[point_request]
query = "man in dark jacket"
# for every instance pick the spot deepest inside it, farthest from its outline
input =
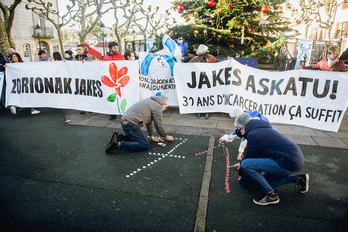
(81, 55)
(271, 153)
(146, 112)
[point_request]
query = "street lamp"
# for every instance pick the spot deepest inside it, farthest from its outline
(103, 29)
(134, 33)
(38, 31)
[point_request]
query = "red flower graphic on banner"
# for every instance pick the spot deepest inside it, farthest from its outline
(118, 78)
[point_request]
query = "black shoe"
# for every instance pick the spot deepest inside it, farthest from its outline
(113, 146)
(269, 199)
(303, 182)
(114, 137)
(112, 117)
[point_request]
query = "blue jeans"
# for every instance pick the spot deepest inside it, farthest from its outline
(134, 139)
(274, 174)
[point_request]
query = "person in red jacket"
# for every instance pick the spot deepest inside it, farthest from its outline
(113, 53)
(331, 63)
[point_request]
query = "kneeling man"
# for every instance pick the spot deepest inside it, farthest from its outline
(147, 112)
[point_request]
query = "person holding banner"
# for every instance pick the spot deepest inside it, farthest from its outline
(43, 56)
(113, 53)
(143, 113)
(203, 57)
(129, 55)
(183, 47)
(16, 58)
(331, 63)
(68, 55)
(10, 51)
(81, 56)
(270, 160)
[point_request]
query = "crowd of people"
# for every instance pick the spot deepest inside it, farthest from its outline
(82, 55)
(267, 158)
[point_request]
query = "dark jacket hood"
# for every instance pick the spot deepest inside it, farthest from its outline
(256, 124)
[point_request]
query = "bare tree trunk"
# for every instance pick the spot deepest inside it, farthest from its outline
(4, 43)
(6, 23)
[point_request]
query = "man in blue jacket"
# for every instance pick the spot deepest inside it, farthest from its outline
(270, 159)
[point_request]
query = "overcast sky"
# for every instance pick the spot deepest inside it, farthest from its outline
(108, 20)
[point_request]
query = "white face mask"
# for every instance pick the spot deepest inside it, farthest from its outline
(329, 56)
(67, 56)
(133, 58)
(180, 41)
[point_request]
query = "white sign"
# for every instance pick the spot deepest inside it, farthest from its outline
(316, 99)
(103, 87)
(156, 74)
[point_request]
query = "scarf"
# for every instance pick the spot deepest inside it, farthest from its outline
(81, 57)
(332, 62)
(44, 59)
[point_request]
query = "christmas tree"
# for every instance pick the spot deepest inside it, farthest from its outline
(230, 26)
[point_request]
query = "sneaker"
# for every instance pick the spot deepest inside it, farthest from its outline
(206, 116)
(303, 182)
(35, 112)
(113, 146)
(269, 199)
(198, 115)
(114, 137)
(112, 117)
(13, 110)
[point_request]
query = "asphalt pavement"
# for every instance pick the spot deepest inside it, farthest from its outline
(55, 176)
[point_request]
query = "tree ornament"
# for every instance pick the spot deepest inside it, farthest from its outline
(264, 9)
(230, 4)
(181, 8)
(250, 30)
(219, 11)
(211, 4)
(195, 13)
(213, 33)
(196, 32)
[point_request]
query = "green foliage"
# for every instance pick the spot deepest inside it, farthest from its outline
(232, 28)
(271, 52)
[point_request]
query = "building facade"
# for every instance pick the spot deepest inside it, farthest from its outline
(27, 38)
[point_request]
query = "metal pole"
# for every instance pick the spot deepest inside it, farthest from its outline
(133, 45)
(103, 46)
(39, 41)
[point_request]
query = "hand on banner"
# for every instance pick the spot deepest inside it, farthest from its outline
(169, 138)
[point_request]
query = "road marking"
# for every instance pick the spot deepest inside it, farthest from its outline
(162, 156)
(204, 195)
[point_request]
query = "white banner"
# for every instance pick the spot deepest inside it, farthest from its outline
(316, 99)
(156, 76)
(102, 87)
